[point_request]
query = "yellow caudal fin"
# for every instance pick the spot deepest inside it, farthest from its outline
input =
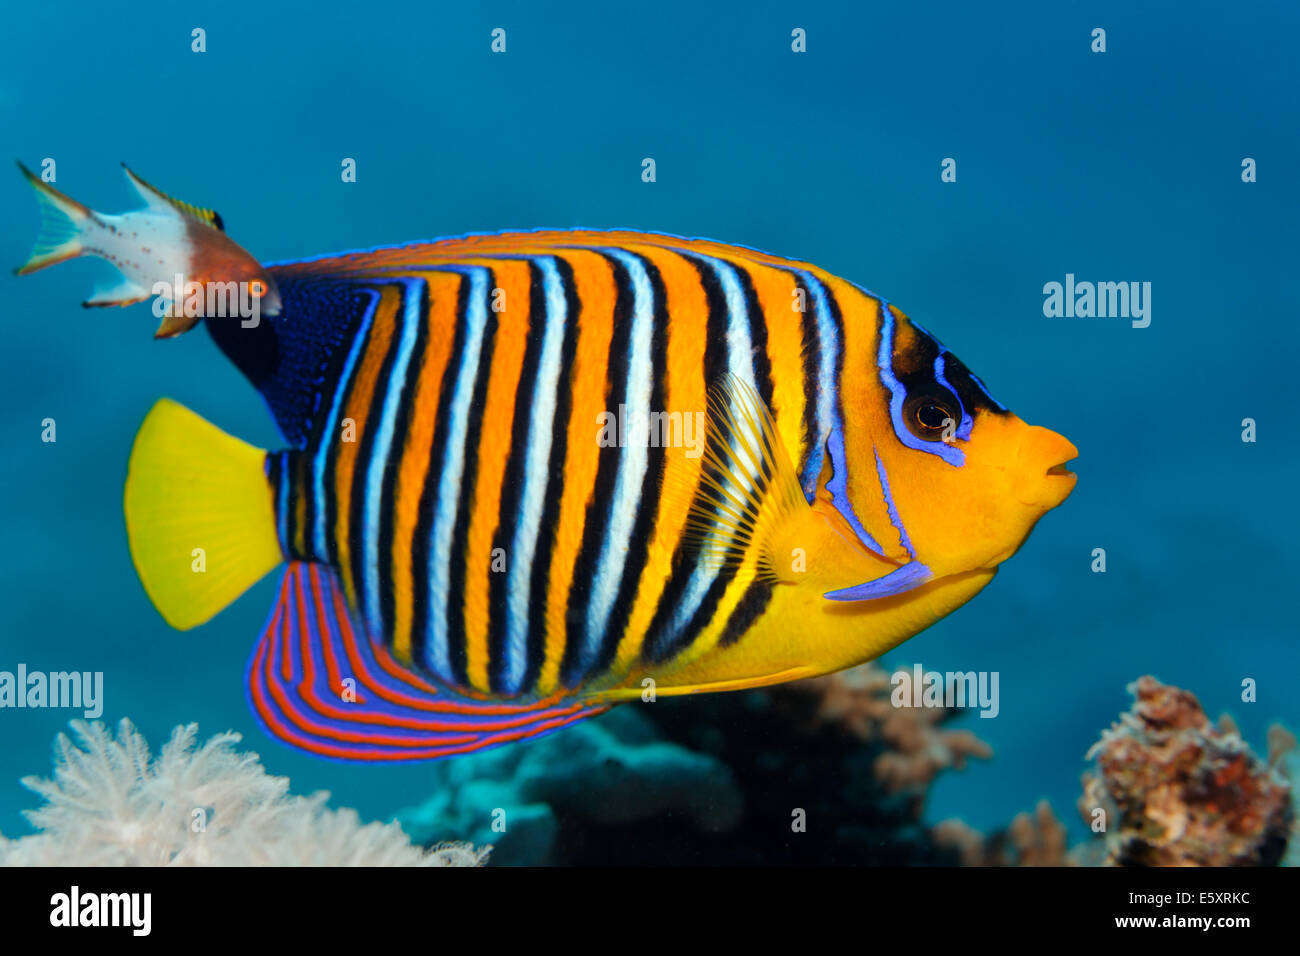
(63, 221)
(200, 515)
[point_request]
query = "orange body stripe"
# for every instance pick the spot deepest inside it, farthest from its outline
(358, 408)
(414, 466)
(493, 446)
(589, 397)
(685, 392)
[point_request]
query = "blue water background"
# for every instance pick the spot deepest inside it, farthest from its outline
(1122, 166)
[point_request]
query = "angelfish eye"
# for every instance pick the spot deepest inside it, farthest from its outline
(926, 416)
(257, 287)
(931, 416)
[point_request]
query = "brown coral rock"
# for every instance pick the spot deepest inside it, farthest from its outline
(1178, 791)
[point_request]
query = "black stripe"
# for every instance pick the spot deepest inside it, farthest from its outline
(457, 656)
(973, 395)
(651, 485)
(596, 519)
(757, 335)
(548, 528)
(334, 442)
(757, 594)
(330, 369)
(715, 342)
(748, 609)
(361, 471)
(658, 646)
(508, 515)
(299, 465)
(310, 504)
(812, 348)
(272, 466)
(396, 453)
(420, 609)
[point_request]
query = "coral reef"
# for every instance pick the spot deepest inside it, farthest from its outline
(598, 775)
(830, 771)
(821, 771)
(918, 748)
(1036, 839)
(1178, 791)
(112, 804)
(1174, 790)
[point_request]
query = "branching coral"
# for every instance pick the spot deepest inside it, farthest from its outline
(1036, 839)
(111, 804)
(1177, 791)
(919, 748)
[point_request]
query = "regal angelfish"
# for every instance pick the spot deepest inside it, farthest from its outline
(468, 555)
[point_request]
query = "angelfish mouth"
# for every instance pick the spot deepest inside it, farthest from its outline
(1042, 479)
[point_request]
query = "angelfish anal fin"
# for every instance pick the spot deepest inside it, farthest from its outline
(159, 201)
(125, 292)
(318, 682)
(906, 578)
(748, 488)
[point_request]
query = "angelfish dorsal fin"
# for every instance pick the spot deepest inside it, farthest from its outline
(157, 199)
(748, 487)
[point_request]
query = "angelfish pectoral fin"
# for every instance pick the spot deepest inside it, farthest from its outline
(748, 490)
(906, 578)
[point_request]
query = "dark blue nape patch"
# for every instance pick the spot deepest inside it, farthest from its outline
(294, 359)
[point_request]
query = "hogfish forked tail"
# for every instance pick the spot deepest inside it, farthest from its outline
(170, 249)
(493, 517)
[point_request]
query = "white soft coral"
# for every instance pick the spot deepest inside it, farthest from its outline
(110, 804)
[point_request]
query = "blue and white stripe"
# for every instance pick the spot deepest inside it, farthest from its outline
(438, 647)
(330, 435)
(967, 423)
(412, 318)
(830, 412)
(541, 431)
(827, 410)
(740, 363)
(634, 459)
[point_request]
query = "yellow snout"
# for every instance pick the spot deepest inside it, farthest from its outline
(1042, 480)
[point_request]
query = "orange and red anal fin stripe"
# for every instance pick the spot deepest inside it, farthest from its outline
(317, 682)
